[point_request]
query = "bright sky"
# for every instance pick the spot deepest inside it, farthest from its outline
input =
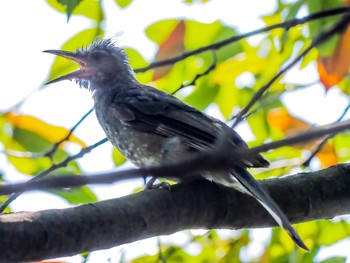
(29, 27)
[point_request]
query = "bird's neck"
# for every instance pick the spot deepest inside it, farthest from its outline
(101, 93)
(115, 82)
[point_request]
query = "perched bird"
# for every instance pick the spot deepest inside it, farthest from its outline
(151, 127)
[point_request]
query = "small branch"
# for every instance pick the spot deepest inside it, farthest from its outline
(287, 24)
(321, 38)
(193, 82)
(54, 148)
(53, 167)
(306, 163)
(216, 160)
(50, 152)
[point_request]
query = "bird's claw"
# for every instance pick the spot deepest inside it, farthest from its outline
(150, 184)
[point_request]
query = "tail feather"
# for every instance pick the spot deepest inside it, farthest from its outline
(252, 187)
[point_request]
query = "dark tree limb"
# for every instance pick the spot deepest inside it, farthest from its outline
(53, 233)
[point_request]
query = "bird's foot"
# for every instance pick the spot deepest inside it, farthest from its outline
(150, 184)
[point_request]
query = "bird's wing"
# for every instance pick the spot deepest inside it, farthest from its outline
(149, 110)
(156, 112)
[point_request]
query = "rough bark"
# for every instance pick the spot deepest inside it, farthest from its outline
(28, 236)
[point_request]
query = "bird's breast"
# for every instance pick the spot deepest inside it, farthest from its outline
(141, 148)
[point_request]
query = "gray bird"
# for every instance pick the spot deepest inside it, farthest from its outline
(151, 127)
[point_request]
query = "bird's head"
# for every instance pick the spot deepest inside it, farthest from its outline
(101, 64)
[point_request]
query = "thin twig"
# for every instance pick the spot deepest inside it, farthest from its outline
(50, 152)
(306, 163)
(287, 24)
(52, 168)
(215, 160)
(321, 38)
(54, 148)
(161, 257)
(198, 76)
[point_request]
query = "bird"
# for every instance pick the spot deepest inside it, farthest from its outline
(151, 127)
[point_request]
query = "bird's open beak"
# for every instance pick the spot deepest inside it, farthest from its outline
(82, 73)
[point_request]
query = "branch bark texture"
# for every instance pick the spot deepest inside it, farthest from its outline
(28, 236)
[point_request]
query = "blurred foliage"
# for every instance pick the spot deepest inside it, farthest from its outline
(28, 142)
(88, 8)
(241, 69)
(123, 3)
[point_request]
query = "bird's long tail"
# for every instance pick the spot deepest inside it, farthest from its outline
(252, 187)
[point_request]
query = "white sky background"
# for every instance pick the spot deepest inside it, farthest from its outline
(29, 27)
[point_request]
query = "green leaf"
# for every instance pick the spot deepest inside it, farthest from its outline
(227, 99)
(89, 8)
(31, 141)
(320, 25)
(123, 3)
(202, 95)
(230, 50)
(309, 57)
(70, 6)
(137, 61)
(344, 85)
(201, 34)
(334, 259)
(19, 142)
(118, 158)
(331, 232)
(77, 195)
(259, 126)
(3, 199)
(62, 66)
(160, 31)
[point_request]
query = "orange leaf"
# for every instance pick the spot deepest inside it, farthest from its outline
(334, 68)
(327, 155)
(281, 120)
(172, 46)
(49, 132)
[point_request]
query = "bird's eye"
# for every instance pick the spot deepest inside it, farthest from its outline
(97, 56)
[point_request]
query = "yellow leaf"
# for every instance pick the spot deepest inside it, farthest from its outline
(49, 132)
(227, 71)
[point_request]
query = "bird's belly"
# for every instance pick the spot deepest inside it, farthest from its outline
(140, 148)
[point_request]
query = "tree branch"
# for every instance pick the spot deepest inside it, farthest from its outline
(286, 25)
(222, 157)
(306, 163)
(198, 76)
(54, 148)
(52, 168)
(199, 204)
(321, 38)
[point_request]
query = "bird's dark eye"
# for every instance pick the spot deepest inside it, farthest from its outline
(97, 56)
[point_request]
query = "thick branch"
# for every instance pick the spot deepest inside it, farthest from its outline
(199, 204)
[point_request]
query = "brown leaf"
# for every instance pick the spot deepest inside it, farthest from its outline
(172, 46)
(281, 120)
(334, 68)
